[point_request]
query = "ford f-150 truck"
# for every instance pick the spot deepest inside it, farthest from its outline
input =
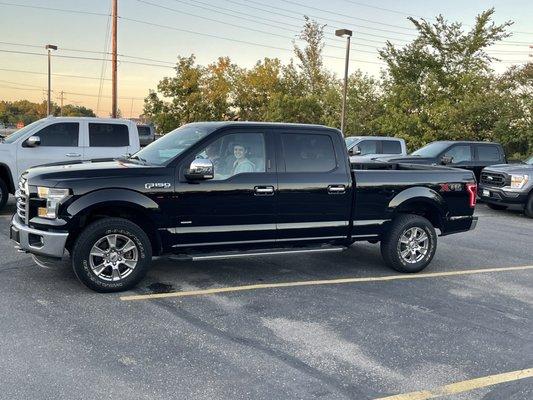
(62, 140)
(228, 189)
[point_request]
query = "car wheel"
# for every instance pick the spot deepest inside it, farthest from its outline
(528, 210)
(111, 255)
(410, 243)
(4, 194)
(496, 207)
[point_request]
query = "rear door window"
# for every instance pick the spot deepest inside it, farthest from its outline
(487, 152)
(391, 147)
(308, 152)
(63, 134)
(108, 135)
(143, 130)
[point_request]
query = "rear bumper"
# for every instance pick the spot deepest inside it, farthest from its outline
(501, 197)
(46, 243)
(461, 223)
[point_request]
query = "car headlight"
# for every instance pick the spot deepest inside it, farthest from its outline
(53, 198)
(519, 181)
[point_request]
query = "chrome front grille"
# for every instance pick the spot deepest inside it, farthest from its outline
(22, 199)
(493, 179)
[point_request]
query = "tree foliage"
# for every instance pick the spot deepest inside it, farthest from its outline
(439, 86)
(12, 112)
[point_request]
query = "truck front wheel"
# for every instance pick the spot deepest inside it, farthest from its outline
(111, 255)
(410, 243)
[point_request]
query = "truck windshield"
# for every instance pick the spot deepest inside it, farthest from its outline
(530, 161)
(350, 141)
(174, 143)
(431, 150)
(22, 131)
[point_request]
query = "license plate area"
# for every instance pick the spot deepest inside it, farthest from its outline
(486, 193)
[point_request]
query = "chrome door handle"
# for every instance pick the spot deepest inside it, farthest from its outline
(336, 189)
(263, 190)
(73, 155)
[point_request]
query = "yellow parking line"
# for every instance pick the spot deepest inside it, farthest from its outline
(464, 386)
(319, 282)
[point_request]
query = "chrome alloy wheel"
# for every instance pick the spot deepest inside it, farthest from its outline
(413, 245)
(113, 257)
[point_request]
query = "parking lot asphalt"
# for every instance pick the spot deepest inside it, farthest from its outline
(356, 340)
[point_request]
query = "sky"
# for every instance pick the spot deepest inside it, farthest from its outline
(157, 31)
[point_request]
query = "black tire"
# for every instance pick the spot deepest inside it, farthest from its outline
(96, 232)
(496, 207)
(4, 194)
(528, 209)
(391, 245)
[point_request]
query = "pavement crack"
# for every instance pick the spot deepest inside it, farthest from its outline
(348, 391)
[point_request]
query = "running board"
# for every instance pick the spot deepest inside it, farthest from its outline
(253, 253)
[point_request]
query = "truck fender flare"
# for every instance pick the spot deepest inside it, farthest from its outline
(419, 194)
(114, 198)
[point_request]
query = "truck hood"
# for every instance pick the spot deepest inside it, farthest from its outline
(83, 177)
(510, 168)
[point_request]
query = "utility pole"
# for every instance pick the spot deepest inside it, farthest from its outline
(49, 47)
(348, 34)
(114, 59)
(61, 98)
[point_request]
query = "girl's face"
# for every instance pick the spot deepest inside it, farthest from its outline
(239, 152)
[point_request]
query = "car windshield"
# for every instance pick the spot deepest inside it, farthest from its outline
(350, 141)
(173, 143)
(22, 131)
(529, 161)
(431, 150)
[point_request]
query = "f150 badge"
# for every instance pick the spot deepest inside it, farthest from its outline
(157, 185)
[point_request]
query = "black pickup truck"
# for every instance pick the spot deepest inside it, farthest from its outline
(229, 189)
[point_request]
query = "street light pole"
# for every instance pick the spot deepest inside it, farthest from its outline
(348, 34)
(49, 47)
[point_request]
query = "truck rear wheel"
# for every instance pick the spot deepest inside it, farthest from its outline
(410, 243)
(4, 194)
(111, 255)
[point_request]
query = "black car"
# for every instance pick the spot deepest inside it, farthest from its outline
(230, 189)
(460, 154)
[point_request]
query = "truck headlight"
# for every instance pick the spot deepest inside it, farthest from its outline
(519, 181)
(53, 198)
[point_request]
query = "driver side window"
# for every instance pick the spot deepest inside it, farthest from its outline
(236, 153)
(460, 153)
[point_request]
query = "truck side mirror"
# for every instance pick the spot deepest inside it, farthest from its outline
(354, 151)
(33, 141)
(445, 160)
(200, 169)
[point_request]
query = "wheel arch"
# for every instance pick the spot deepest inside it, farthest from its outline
(117, 203)
(421, 201)
(7, 177)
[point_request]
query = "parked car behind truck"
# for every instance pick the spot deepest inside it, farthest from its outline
(473, 156)
(230, 189)
(508, 185)
(62, 139)
(365, 148)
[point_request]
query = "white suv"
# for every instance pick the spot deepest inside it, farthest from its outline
(365, 148)
(62, 139)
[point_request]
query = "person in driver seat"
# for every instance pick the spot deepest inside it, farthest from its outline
(241, 164)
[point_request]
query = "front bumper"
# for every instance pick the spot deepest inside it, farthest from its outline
(490, 194)
(45, 243)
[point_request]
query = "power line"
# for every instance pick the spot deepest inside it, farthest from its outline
(383, 9)
(312, 16)
(53, 9)
(53, 74)
(342, 15)
(233, 40)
